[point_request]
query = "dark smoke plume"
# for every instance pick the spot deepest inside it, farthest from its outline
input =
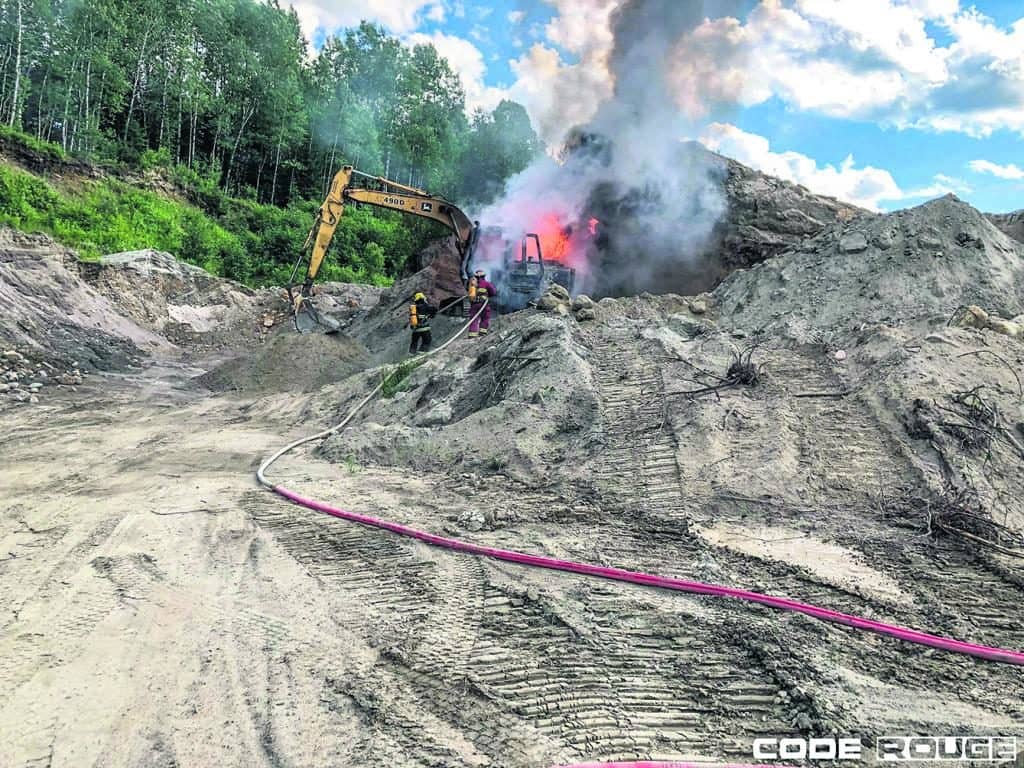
(657, 198)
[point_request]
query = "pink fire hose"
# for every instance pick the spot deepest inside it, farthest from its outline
(670, 764)
(665, 582)
(989, 653)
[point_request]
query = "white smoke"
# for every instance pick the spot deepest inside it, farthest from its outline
(657, 199)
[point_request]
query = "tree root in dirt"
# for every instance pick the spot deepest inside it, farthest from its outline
(957, 511)
(742, 371)
(971, 420)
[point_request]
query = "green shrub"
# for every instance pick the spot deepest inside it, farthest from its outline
(155, 158)
(244, 240)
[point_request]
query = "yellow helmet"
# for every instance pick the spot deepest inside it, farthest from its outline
(419, 296)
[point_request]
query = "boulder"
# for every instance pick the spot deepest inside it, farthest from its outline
(853, 242)
(698, 306)
(582, 302)
(558, 292)
(547, 302)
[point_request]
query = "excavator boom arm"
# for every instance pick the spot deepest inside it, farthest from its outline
(394, 196)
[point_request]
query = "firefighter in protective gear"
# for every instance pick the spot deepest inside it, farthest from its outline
(420, 314)
(480, 290)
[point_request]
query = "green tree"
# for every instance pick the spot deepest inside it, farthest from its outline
(499, 145)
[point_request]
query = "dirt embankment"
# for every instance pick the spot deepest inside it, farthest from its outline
(65, 318)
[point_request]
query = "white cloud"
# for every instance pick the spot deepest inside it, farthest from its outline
(1010, 171)
(398, 16)
(514, 17)
(559, 94)
(468, 61)
(867, 186)
(873, 59)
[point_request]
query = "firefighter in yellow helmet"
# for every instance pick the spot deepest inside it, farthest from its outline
(420, 314)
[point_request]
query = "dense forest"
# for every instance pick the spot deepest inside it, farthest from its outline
(226, 101)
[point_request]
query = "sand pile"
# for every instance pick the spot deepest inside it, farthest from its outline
(516, 403)
(289, 362)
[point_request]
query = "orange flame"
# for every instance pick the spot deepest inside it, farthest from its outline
(564, 242)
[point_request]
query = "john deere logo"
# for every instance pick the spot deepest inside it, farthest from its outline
(426, 206)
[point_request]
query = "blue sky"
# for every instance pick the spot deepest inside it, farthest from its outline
(882, 102)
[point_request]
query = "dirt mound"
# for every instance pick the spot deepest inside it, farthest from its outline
(910, 268)
(184, 304)
(52, 314)
(289, 362)
(515, 403)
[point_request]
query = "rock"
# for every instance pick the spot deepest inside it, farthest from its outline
(840, 354)
(12, 354)
(35, 385)
(967, 240)
(562, 309)
(929, 239)
(883, 240)
(586, 313)
(698, 306)
(4, 387)
(975, 317)
(268, 321)
(69, 379)
(473, 521)
(687, 326)
(558, 292)
(33, 399)
(971, 317)
(20, 396)
(547, 302)
(1005, 327)
(854, 242)
(803, 722)
(582, 302)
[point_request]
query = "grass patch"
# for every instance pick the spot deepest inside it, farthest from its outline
(397, 379)
(45, 149)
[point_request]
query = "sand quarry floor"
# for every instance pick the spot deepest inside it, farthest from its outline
(158, 608)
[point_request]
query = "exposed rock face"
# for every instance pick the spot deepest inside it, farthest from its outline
(913, 266)
(1011, 224)
(768, 216)
(49, 311)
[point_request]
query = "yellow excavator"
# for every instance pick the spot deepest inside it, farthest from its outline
(525, 273)
(380, 192)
